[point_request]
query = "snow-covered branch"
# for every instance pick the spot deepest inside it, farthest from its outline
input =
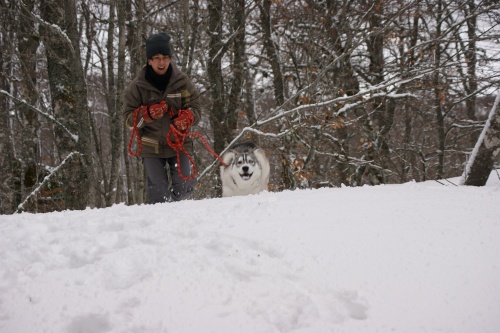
(246, 129)
(364, 96)
(46, 115)
(55, 28)
(355, 100)
(487, 144)
(45, 180)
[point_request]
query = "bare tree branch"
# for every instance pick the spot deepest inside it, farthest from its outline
(74, 137)
(45, 180)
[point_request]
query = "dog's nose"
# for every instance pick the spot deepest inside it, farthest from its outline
(245, 169)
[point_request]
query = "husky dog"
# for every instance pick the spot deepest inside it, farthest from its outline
(247, 170)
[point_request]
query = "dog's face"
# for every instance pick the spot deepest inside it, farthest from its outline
(246, 165)
(246, 170)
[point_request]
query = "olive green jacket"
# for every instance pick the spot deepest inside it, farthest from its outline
(180, 94)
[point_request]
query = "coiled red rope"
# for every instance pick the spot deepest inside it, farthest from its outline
(135, 134)
(175, 140)
(178, 145)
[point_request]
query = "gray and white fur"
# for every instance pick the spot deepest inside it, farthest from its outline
(247, 170)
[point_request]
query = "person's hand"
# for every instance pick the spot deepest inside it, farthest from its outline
(185, 118)
(154, 111)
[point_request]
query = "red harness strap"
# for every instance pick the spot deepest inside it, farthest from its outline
(176, 144)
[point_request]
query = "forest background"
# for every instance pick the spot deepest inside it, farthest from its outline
(338, 92)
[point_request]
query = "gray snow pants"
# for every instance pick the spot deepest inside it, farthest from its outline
(165, 184)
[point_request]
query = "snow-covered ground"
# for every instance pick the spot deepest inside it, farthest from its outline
(394, 258)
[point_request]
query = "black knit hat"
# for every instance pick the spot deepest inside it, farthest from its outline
(158, 44)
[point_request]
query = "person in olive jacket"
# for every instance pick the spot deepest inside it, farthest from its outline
(161, 95)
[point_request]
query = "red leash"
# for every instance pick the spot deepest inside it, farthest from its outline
(176, 144)
(135, 133)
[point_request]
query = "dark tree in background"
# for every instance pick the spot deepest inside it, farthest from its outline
(68, 93)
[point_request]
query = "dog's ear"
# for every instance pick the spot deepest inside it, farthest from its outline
(228, 157)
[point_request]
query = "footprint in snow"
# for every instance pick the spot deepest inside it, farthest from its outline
(354, 307)
(94, 323)
(126, 268)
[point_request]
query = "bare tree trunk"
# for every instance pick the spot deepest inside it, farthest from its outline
(133, 166)
(344, 78)
(249, 97)
(272, 54)
(378, 125)
(439, 93)
(191, 19)
(278, 86)
(114, 96)
(28, 43)
(214, 71)
(7, 182)
(69, 99)
(483, 156)
(136, 34)
(471, 62)
(238, 65)
(114, 116)
(117, 139)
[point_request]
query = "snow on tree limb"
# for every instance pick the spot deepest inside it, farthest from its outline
(365, 94)
(360, 98)
(45, 180)
(247, 129)
(488, 142)
(74, 137)
(57, 29)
